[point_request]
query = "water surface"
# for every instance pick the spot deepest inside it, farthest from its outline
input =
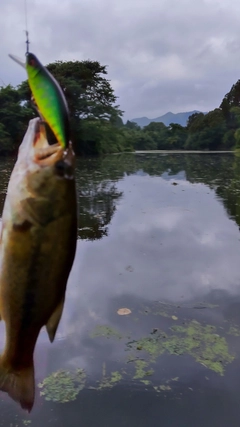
(158, 235)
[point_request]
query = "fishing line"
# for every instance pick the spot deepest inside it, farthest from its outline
(26, 26)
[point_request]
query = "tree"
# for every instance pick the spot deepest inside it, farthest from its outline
(194, 121)
(96, 119)
(14, 119)
(232, 98)
(206, 131)
(177, 136)
(132, 125)
(228, 140)
(237, 138)
(6, 141)
(158, 132)
(144, 141)
(91, 102)
(231, 101)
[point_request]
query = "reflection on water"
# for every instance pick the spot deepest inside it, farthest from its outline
(98, 196)
(158, 234)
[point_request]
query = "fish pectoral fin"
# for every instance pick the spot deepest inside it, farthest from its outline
(54, 320)
(38, 210)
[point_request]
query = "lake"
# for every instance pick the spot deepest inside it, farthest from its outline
(159, 237)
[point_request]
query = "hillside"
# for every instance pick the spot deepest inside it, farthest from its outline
(179, 118)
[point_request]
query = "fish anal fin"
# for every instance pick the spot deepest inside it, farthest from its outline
(19, 384)
(54, 320)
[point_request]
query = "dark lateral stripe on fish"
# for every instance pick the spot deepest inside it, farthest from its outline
(31, 296)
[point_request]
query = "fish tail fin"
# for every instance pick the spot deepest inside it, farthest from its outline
(19, 384)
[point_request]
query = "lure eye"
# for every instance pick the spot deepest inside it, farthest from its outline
(32, 62)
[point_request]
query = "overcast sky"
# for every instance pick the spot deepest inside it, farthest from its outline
(173, 55)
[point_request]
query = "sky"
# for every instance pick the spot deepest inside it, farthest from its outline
(173, 55)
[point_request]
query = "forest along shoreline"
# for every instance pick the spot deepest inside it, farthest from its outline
(96, 119)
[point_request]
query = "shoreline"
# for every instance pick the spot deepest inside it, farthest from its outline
(182, 152)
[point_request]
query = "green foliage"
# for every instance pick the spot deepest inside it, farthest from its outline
(13, 119)
(232, 98)
(95, 119)
(5, 140)
(158, 133)
(132, 125)
(219, 129)
(96, 123)
(228, 140)
(237, 138)
(177, 137)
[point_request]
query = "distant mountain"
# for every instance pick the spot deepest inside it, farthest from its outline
(179, 118)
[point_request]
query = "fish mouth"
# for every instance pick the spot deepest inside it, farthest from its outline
(44, 154)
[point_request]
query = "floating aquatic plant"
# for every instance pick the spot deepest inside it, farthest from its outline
(63, 386)
(105, 331)
(109, 381)
(234, 330)
(201, 342)
(141, 372)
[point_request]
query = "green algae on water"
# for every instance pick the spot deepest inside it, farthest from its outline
(146, 382)
(233, 330)
(158, 310)
(109, 381)
(141, 372)
(166, 386)
(193, 339)
(63, 386)
(105, 331)
(165, 309)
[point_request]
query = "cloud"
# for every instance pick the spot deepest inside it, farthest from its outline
(161, 55)
(174, 244)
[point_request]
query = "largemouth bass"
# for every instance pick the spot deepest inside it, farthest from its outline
(37, 250)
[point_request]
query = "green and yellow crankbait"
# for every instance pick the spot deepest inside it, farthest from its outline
(48, 96)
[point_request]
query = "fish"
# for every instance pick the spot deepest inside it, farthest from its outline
(37, 250)
(48, 97)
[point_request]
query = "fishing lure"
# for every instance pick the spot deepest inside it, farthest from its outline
(48, 96)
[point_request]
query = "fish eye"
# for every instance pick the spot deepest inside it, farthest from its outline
(60, 167)
(63, 169)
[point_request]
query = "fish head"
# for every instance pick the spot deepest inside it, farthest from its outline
(42, 168)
